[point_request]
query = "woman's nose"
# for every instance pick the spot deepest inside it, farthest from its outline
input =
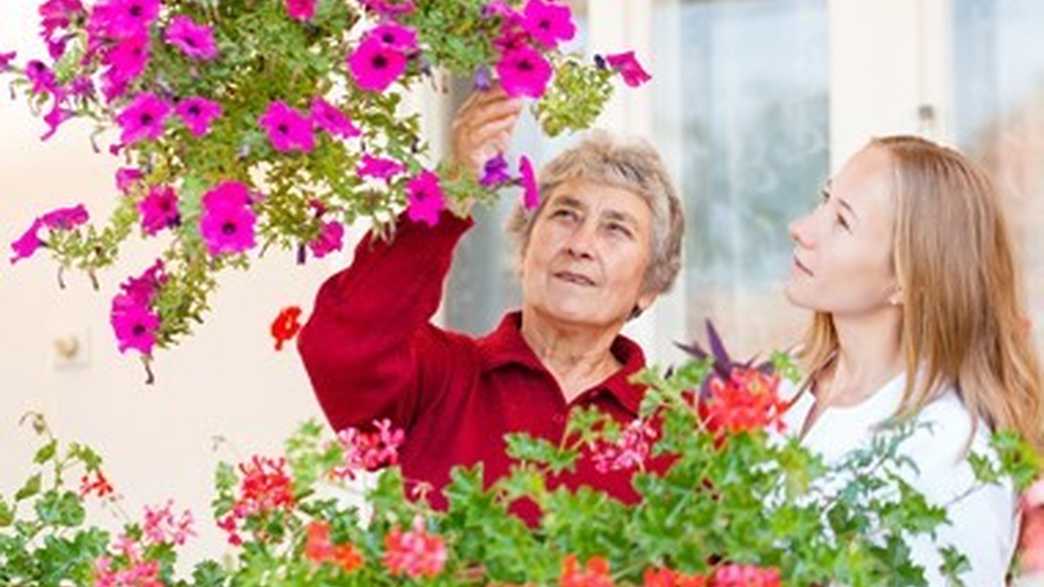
(800, 233)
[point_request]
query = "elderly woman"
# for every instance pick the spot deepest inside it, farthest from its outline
(603, 244)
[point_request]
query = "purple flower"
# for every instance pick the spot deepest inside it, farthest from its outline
(483, 78)
(65, 218)
(42, 77)
(395, 36)
(159, 210)
(143, 119)
(330, 239)
(495, 172)
(82, 87)
(379, 168)
(329, 118)
(28, 243)
(627, 64)
(375, 66)
(142, 289)
(227, 222)
(548, 23)
(126, 177)
(194, 40)
(530, 189)
(425, 198)
(524, 72)
(198, 113)
(287, 129)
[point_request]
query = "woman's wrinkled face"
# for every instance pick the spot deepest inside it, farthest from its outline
(587, 255)
(843, 248)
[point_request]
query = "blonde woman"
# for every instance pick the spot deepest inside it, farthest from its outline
(909, 269)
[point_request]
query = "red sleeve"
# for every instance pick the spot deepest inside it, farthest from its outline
(368, 346)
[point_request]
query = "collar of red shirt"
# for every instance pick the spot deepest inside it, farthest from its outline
(505, 346)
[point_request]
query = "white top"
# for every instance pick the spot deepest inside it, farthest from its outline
(984, 525)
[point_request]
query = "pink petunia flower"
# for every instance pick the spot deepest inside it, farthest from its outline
(6, 59)
(159, 210)
(144, 118)
(54, 118)
(379, 168)
(58, 14)
(194, 40)
(135, 325)
(547, 22)
(524, 72)
(65, 218)
(198, 113)
(127, 60)
(227, 222)
(425, 198)
(287, 129)
(396, 36)
(388, 8)
(43, 79)
(329, 118)
(28, 243)
(126, 18)
(302, 10)
(627, 64)
(530, 189)
(126, 177)
(375, 66)
(330, 239)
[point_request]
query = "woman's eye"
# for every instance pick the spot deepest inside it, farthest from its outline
(619, 229)
(841, 220)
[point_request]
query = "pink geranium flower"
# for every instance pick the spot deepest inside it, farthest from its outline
(548, 22)
(144, 118)
(379, 168)
(425, 198)
(329, 118)
(159, 210)
(375, 66)
(524, 72)
(194, 40)
(198, 113)
(227, 222)
(302, 10)
(330, 239)
(287, 129)
(530, 189)
(627, 64)
(415, 553)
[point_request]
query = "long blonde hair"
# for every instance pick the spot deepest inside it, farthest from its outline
(963, 320)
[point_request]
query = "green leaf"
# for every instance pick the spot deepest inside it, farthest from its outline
(60, 509)
(953, 566)
(46, 452)
(7, 514)
(31, 488)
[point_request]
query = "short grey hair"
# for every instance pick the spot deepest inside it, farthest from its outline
(633, 165)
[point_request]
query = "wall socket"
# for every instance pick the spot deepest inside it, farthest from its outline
(71, 349)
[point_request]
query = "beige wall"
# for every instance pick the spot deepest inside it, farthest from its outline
(225, 380)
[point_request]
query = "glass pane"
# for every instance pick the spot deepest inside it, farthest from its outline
(741, 111)
(482, 284)
(999, 114)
